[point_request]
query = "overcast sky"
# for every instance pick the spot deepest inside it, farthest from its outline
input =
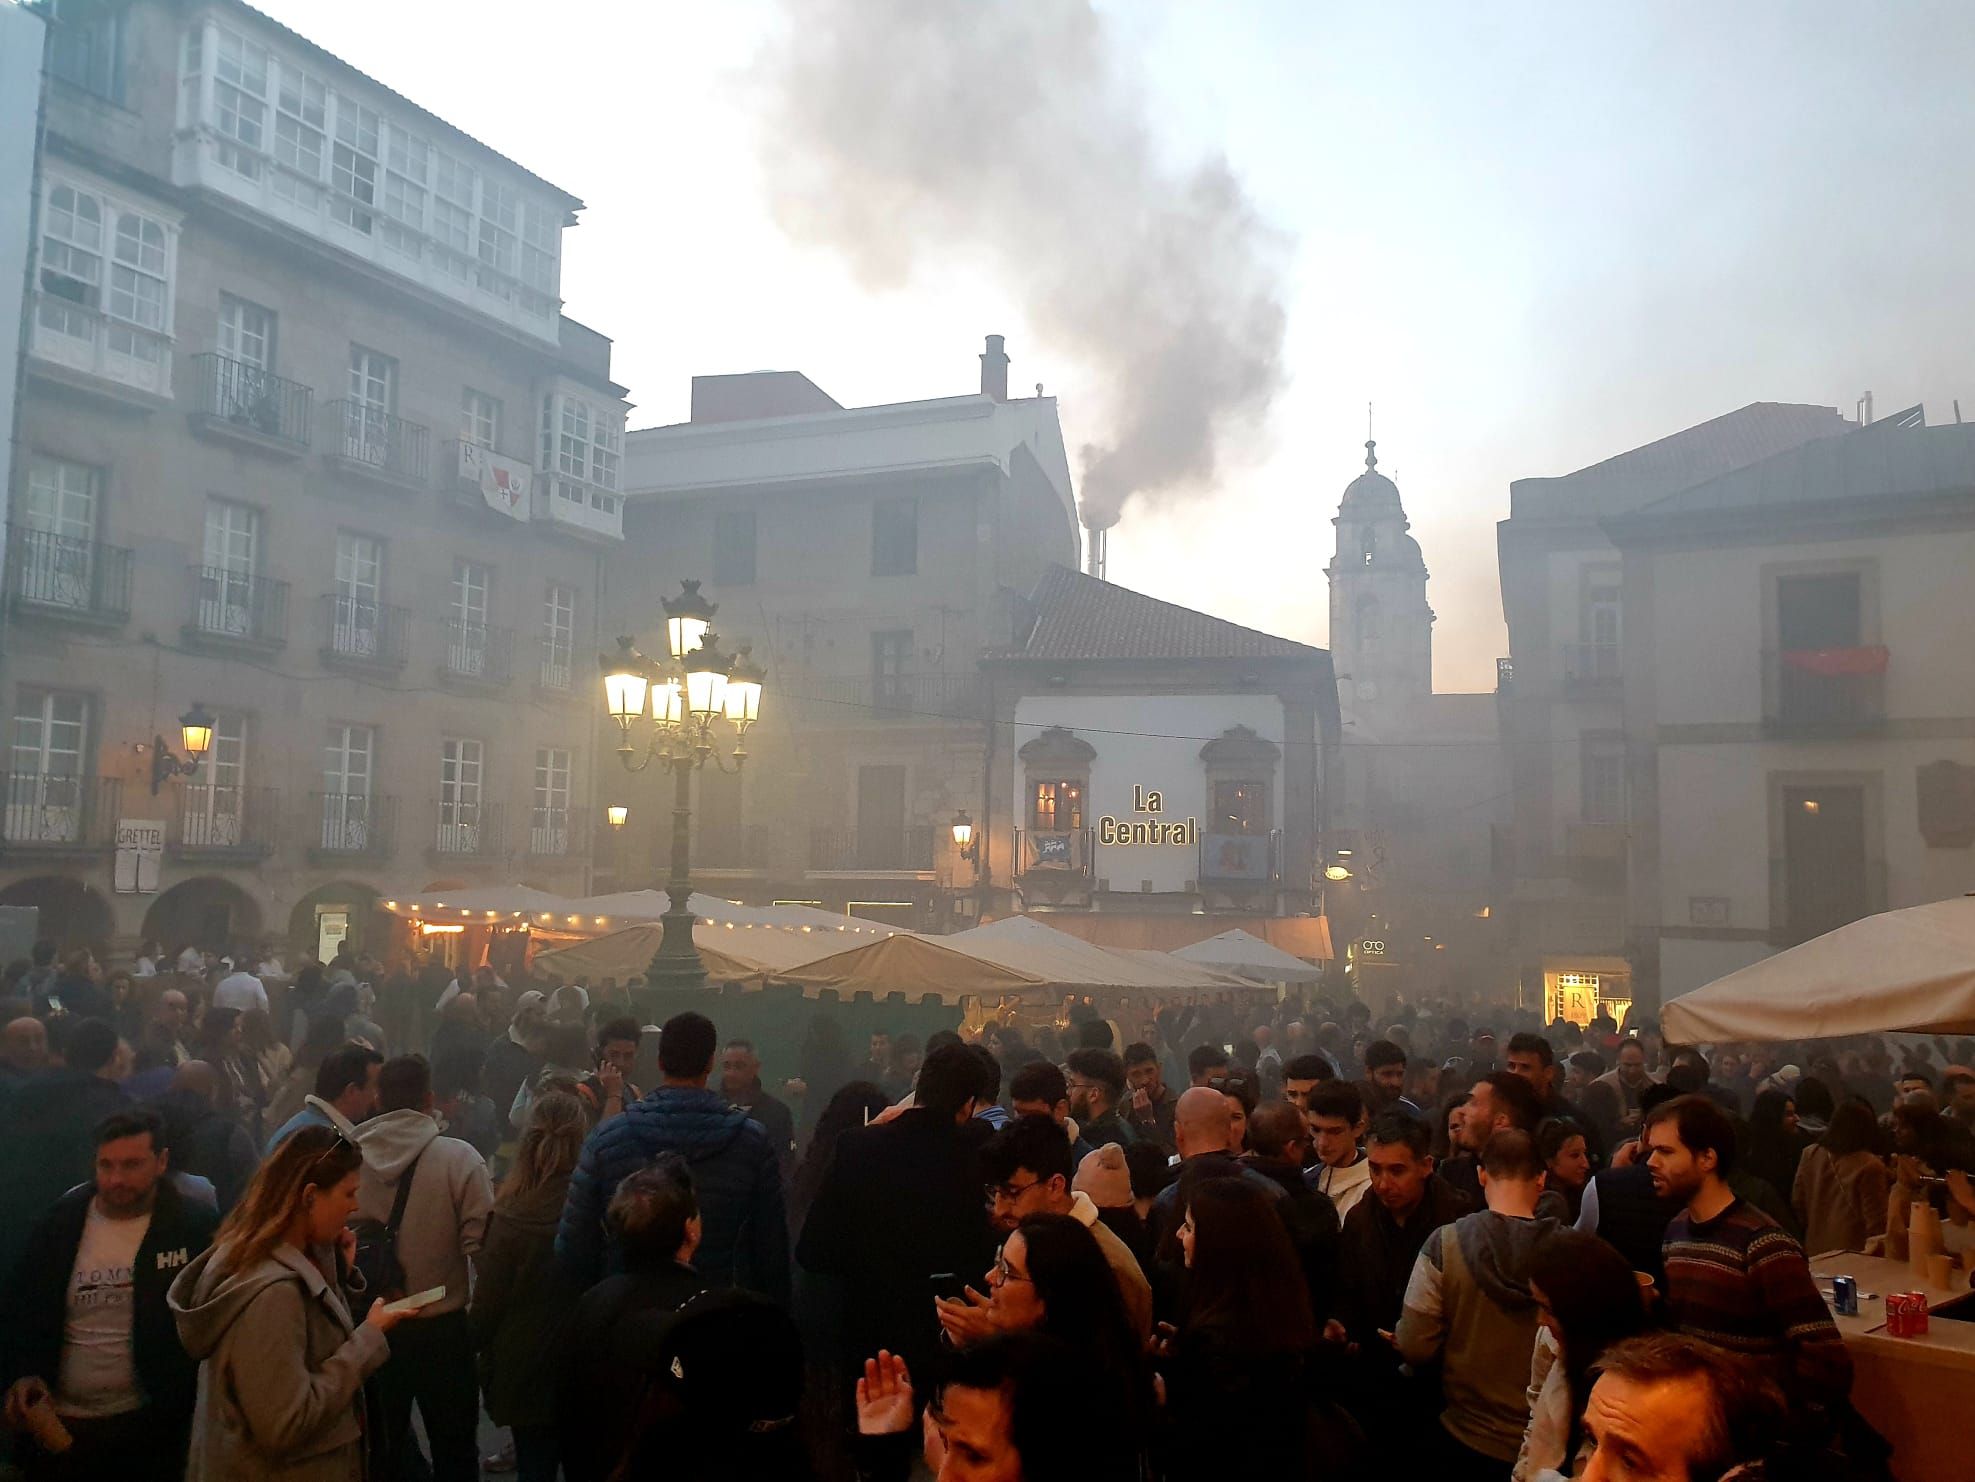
(1532, 236)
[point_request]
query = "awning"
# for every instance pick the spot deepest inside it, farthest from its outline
(1025, 945)
(1250, 957)
(1911, 970)
(912, 965)
(730, 953)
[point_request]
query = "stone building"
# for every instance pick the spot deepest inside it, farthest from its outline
(307, 446)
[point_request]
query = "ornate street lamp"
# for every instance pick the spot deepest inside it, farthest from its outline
(195, 732)
(696, 695)
(963, 838)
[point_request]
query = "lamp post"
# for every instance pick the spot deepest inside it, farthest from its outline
(195, 734)
(689, 692)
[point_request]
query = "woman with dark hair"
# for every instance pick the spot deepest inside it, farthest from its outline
(1815, 1103)
(1244, 1343)
(1587, 1298)
(1774, 1144)
(324, 1038)
(1566, 1168)
(1842, 1185)
(222, 1045)
(1051, 1276)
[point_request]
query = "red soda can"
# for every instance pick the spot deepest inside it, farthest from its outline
(1896, 1315)
(1916, 1314)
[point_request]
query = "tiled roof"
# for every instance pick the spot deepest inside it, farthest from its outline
(1080, 617)
(1735, 440)
(1883, 461)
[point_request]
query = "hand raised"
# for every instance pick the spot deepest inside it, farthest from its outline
(884, 1396)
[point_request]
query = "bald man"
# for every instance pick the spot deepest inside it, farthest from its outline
(1201, 1122)
(23, 1048)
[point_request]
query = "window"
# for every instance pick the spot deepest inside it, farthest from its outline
(1601, 616)
(500, 224)
(240, 103)
(733, 548)
(1241, 808)
(373, 400)
(453, 190)
(408, 168)
(558, 635)
(480, 418)
(72, 250)
(85, 45)
(301, 120)
(1827, 875)
(1369, 546)
(246, 332)
(467, 639)
(348, 766)
(891, 652)
(1602, 792)
(138, 287)
(229, 593)
(357, 626)
(895, 537)
(548, 828)
(540, 229)
(46, 796)
(98, 255)
(581, 442)
(459, 793)
(881, 833)
(55, 562)
(353, 163)
(212, 804)
(1057, 806)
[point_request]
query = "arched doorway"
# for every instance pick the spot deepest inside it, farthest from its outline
(204, 912)
(72, 915)
(331, 914)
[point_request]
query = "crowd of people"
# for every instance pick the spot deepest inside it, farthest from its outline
(1150, 1246)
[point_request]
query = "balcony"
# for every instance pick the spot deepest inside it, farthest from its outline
(1824, 691)
(468, 830)
(82, 347)
(579, 508)
(477, 655)
(367, 442)
(67, 579)
(883, 698)
(478, 477)
(1591, 668)
(731, 849)
(557, 663)
(1240, 861)
(359, 634)
(241, 403)
(556, 833)
(220, 823)
(902, 851)
(352, 825)
(1052, 852)
(50, 813)
(237, 609)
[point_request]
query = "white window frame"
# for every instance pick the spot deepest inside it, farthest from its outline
(349, 773)
(480, 418)
(213, 804)
(358, 622)
(56, 564)
(47, 765)
(239, 101)
(582, 445)
(246, 332)
(355, 163)
(105, 274)
(548, 827)
(558, 635)
(462, 772)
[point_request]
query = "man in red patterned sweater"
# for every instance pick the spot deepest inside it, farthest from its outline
(1734, 1277)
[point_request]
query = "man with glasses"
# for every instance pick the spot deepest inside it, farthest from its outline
(1097, 1085)
(1028, 1167)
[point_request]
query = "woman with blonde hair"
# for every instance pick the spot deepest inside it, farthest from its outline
(264, 1311)
(520, 1305)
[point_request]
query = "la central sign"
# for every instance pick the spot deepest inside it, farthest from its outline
(1112, 830)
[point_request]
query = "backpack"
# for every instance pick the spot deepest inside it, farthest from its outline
(376, 1259)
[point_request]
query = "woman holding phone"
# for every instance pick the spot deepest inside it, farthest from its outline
(264, 1311)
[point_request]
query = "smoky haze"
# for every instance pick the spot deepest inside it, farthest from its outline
(897, 132)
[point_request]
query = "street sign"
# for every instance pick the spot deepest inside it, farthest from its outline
(140, 850)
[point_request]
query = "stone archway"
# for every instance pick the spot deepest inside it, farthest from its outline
(72, 914)
(344, 906)
(205, 911)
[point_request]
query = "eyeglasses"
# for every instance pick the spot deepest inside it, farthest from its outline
(1004, 1273)
(1010, 1192)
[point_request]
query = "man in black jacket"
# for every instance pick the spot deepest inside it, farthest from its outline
(85, 1326)
(1278, 1135)
(903, 1202)
(45, 1145)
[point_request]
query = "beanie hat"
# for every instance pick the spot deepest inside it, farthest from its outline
(1104, 1177)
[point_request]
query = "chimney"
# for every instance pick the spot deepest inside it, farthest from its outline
(1095, 554)
(994, 369)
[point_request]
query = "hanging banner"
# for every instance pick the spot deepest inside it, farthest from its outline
(140, 850)
(503, 483)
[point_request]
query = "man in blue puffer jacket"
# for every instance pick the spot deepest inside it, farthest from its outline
(745, 1241)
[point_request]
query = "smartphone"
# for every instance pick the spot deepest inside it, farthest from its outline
(416, 1300)
(946, 1284)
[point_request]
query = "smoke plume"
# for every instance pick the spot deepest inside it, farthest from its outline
(1013, 133)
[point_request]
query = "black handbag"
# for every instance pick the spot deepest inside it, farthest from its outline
(376, 1259)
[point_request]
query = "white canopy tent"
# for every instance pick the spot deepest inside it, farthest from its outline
(1249, 956)
(1911, 970)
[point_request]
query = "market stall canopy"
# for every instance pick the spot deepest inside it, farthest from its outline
(912, 965)
(729, 952)
(1025, 945)
(607, 912)
(1911, 970)
(1249, 957)
(479, 902)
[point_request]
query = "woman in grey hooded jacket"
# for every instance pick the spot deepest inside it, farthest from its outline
(263, 1311)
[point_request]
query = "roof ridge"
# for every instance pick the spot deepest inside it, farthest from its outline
(1084, 617)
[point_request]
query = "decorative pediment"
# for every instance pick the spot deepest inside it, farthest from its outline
(1057, 747)
(1240, 748)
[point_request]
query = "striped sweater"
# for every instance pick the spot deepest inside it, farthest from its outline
(1740, 1282)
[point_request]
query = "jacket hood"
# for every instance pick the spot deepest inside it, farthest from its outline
(1496, 1248)
(206, 1298)
(391, 1141)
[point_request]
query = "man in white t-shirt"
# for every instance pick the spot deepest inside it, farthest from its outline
(94, 1346)
(241, 990)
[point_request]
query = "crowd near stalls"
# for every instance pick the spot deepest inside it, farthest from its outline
(345, 1219)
